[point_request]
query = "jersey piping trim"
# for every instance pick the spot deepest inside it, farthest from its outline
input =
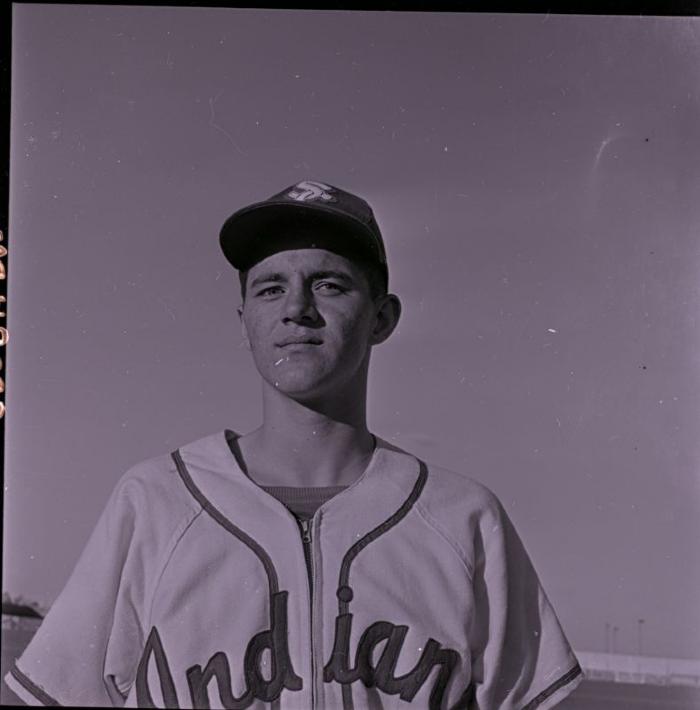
(379, 530)
(291, 679)
(41, 695)
(225, 523)
(564, 680)
(344, 592)
(255, 547)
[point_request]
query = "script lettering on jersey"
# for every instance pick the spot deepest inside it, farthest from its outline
(257, 686)
(282, 675)
(382, 676)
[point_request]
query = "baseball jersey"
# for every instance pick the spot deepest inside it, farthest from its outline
(194, 592)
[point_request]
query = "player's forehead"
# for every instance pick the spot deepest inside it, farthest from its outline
(307, 263)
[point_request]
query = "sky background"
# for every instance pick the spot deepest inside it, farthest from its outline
(537, 181)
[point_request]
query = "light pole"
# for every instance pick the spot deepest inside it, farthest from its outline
(640, 623)
(614, 639)
(607, 637)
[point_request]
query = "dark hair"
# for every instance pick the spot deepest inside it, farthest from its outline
(372, 272)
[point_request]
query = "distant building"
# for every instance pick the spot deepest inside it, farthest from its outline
(615, 681)
(646, 670)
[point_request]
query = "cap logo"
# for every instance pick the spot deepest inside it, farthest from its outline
(309, 190)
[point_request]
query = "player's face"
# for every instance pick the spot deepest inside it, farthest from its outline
(310, 321)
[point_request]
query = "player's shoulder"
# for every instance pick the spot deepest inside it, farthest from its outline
(446, 488)
(460, 503)
(445, 484)
(455, 505)
(155, 482)
(452, 496)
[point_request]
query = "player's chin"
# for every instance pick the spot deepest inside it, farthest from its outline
(291, 378)
(303, 385)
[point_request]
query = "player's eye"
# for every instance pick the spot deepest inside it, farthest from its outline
(329, 287)
(269, 291)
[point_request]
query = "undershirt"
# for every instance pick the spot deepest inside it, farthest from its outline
(303, 501)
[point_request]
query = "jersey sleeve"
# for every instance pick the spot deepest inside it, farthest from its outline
(86, 650)
(521, 659)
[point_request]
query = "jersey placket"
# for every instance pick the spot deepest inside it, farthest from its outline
(309, 535)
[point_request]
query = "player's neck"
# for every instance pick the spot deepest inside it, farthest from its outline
(302, 445)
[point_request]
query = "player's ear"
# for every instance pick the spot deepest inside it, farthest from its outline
(386, 319)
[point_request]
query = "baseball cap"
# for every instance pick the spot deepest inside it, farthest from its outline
(308, 214)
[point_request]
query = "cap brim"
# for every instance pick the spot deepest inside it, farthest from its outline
(259, 230)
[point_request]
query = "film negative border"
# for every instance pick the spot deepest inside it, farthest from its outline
(4, 334)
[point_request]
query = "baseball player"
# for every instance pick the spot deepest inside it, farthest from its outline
(307, 564)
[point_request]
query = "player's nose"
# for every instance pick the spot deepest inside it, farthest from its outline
(299, 305)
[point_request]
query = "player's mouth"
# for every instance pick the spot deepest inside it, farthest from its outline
(293, 343)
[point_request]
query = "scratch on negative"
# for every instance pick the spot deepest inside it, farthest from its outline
(212, 100)
(167, 308)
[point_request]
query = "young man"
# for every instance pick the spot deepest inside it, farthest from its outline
(309, 563)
